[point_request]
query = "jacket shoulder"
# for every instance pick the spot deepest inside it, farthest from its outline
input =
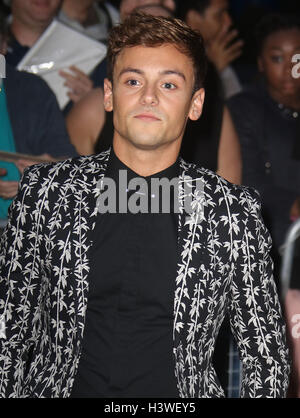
(216, 188)
(69, 168)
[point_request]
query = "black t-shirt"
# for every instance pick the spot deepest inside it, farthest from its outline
(127, 343)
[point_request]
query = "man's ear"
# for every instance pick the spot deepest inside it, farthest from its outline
(197, 104)
(108, 96)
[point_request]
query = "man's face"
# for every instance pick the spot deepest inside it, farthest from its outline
(128, 6)
(152, 96)
(35, 11)
(276, 63)
(214, 18)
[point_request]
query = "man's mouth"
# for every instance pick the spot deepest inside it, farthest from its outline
(147, 117)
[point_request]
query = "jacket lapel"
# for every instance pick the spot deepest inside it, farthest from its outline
(85, 216)
(192, 238)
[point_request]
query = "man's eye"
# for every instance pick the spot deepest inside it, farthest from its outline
(132, 83)
(169, 86)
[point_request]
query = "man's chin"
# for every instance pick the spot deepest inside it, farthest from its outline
(146, 145)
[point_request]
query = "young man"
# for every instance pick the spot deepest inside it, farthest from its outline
(124, 304)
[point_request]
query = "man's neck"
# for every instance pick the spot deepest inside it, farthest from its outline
(78, 10)
(26, 35)
(147, 162)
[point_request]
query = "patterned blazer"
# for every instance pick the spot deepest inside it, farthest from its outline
(223, 266)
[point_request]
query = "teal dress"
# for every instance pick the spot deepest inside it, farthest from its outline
(6, 144)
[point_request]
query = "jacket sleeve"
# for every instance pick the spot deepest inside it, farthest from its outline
(19, 288)
(255, 312)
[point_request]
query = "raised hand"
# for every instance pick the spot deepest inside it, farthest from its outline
(78, 82)
(221, 50)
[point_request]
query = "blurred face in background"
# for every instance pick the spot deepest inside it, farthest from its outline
(210, 22)
(275, 62)
(35, 12)
(155, 11)
(128, 6)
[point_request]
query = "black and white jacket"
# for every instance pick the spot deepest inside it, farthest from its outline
(223, 266)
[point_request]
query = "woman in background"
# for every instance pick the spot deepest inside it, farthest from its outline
(266, 116)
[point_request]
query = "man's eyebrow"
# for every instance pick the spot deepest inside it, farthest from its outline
(165, 72)
(175, 72)
(131, 70)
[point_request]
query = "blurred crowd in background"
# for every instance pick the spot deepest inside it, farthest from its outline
(249, 132)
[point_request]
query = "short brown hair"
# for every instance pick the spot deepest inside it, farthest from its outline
(140, 29)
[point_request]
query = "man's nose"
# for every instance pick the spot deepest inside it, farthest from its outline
(149, 95)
